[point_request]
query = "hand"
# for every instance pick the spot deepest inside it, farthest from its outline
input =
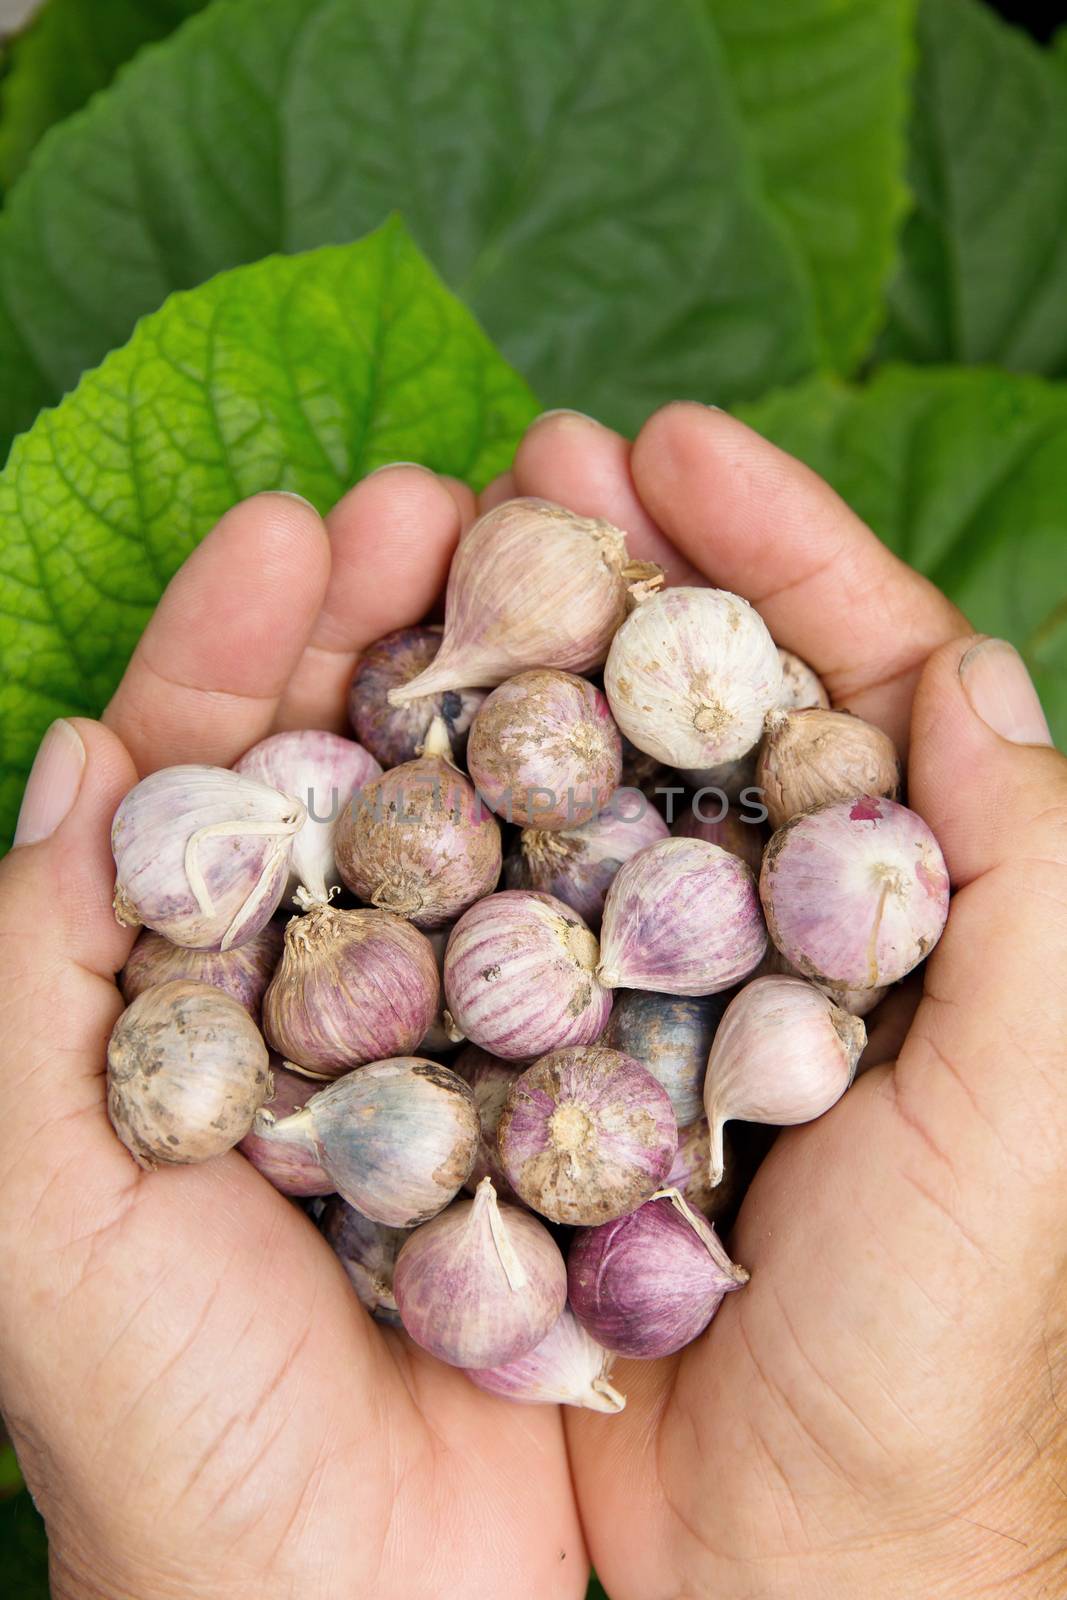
(883, 1410)
(200, 1405)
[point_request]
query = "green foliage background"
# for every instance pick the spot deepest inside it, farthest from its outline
(255, 243)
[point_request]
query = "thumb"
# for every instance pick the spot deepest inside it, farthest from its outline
(984, 1064)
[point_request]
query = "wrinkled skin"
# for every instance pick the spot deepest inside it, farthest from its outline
(200, 1405)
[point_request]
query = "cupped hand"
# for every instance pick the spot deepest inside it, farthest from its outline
(200, 1405)
(883, 1410)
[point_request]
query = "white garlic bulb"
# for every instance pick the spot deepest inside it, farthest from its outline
(691, 676)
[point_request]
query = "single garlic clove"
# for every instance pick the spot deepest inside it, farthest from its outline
(292, 1169)
(670, 1035)
(577, 864)
(809, 758)
(396, 734)
(730, 829)
(323, 772)
(367, 1250)
(801, 685)
(397, 1137)
(568, 1368)
(544, 750)
(520, 976)
(186, 1071)
(351, 987)
(531, 585)
(691, 676)
(586, 1135)
(649, 1283)
(681, 917)
(855, 894)
(491, 1081)
(783, 1054)
(243, 973)
(480, 1285)
(202, 855)
(418, 841)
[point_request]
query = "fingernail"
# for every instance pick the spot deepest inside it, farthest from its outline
(291, 494)
(53, 784)
(1001, 692)
(561, 411)
(390, 466)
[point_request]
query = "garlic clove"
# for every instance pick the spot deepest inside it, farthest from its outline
(568, 1368)
(395, 734)
(691, 676)
(670, 1036)
(577, 864)
(367, 1250)
(481, 1284)
(783, 1054)
(243, 973)
(292, 1169)
(202, 855)
(681, 917)
(186, 1071)
(322, 771)
(531, 585)
(809, 758)
(586, 1135)
(855, 894)
(801, 685)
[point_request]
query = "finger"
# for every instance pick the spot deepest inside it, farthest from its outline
(464, 496)
(391, 541)
(575, 461)
(494, 494)
(206, 677)
(758, 522)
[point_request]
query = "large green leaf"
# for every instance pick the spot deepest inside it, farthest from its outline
(576, 169)
(964, 473)
(822, 88)
(68, 51)
(301, 372)
(984, 271)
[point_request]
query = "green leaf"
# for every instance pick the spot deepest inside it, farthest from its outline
(983, 275)
(69, 50)
(576, 169)
(964, 473)
(302, 373)
(822, 86)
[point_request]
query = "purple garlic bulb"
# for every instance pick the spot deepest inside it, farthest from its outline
(647, 1284)
(322, 771)
(202, 855)
(586, 1135)
(855, 894)
(397, 1138)
(395, 734)
(568, 1368)
(670, 1035)
(733, 832)
(682, 917)
(481, 1284)
(544, 750)
(367, 1250)
(352, 986)
(520, 976)
(293, 1169)
(243, 973)
(491, 1081)
(577, 864)
(418, 841)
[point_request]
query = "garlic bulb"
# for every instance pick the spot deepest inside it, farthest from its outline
(491, 1082)
(801, 686)
(531, 585)
(202, 855)
(670, 1035)
(367, 1250)
(243, 973)
(395, 734)
(352, 986)
(568, 1368)
(733, 831)
(783, 1054)
(396, 1137)
(481, 1284)
(691, 676)
(586, 1135)
(418, 841)
(855, 894)
(809, 758)
(520, 976)
(292, 1169)
(578, 864)
(322, 771)
(186, 1071)
(681, 917)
